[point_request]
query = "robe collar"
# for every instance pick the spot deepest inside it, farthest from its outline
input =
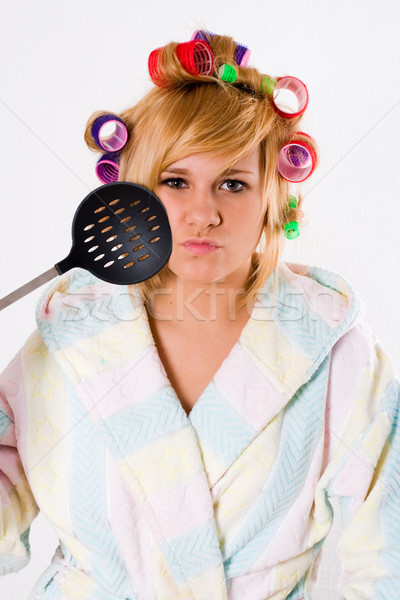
(313, 308)
(279, 349)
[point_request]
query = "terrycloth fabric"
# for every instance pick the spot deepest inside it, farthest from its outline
(230, 502)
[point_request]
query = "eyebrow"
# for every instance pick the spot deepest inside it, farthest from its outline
(227, 172)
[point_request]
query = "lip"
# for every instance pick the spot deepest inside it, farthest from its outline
(201, 241)
(200, 246)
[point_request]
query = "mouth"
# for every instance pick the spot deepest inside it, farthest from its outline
(200, 247)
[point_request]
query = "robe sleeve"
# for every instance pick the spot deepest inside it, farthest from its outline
(366, 466)
(17, 505)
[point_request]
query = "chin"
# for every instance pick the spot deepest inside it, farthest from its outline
(197, 272)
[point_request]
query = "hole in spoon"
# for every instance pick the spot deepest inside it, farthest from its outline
(129, 264)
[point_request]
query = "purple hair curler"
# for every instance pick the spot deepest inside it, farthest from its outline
(296, 161)
(296, 87)
(201, 34)
(116, 140)
(242, 55)
(107, 167)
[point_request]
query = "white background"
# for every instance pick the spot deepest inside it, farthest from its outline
(60, 61)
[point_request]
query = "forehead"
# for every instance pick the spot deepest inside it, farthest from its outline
(209, 161)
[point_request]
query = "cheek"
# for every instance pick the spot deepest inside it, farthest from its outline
(251, 220)
(174, 220)
(171, 208)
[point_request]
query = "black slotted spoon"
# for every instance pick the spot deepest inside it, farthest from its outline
(120, 233)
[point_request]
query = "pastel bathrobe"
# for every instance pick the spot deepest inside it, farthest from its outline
(232, 501)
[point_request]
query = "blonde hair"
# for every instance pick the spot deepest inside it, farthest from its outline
(194, 114)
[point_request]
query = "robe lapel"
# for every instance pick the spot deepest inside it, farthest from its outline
(279, 350)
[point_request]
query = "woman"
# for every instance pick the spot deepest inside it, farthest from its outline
(186, 435)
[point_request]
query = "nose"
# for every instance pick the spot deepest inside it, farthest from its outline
(202, 210)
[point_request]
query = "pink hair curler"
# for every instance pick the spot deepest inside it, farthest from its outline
(113, 141)
(296, 87)
(296, 161)
(107, 167)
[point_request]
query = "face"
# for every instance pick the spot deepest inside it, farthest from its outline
(216, 222)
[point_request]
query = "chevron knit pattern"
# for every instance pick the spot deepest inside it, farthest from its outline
(302, 427)
(88, 505)
(206, 417)
(193, 554)
(84, 309)
(389, 587)
(300, 324)
(4, 423)
(10, 564)
(130, 430)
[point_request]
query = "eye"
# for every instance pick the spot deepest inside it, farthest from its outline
(234, 185)
(173, 182)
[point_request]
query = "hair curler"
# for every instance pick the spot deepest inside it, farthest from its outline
(296, 160)
(296, 87)
(202, 34)
(153, 66)
(292, 228)
(228, 73)
(116, 140)
(107, 167)
(196, 57)
(242, 53)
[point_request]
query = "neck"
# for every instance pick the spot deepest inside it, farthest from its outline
(187, 302)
